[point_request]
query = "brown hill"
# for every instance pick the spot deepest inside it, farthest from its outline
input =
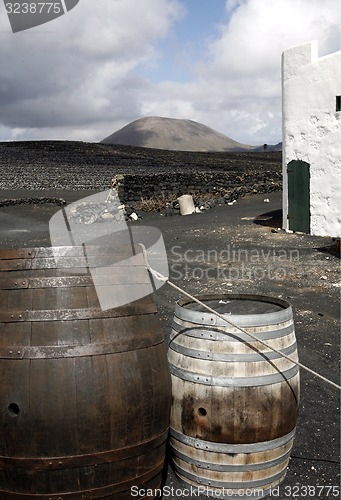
(174, 135)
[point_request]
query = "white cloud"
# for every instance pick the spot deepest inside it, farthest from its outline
(238, 90)
(78, 71)
(78, 76)
(260, 30)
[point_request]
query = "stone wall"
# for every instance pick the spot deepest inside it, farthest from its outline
(52, 167)
(199, 184)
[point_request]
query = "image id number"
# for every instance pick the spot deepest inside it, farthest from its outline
(311, 491)
(34, 8)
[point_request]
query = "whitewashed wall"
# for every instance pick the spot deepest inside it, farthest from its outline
(312, 133)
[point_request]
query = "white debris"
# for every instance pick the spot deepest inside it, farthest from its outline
(107, 216)
(266, 200)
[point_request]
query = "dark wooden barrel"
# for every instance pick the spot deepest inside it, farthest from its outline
(235, 401)
(85, 393)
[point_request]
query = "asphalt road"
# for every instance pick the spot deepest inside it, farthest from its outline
(300, 268)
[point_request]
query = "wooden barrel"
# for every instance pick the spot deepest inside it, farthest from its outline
(235, 401)
(85, 393)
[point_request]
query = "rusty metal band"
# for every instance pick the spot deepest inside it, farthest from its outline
(39, 264)
(20, 253)
(211, 466)
(79, 351)
(137, 308)
(228, 333)
(64, 251)
(91, 494)
(243, 320)
(139, 276)
(68, 462)
(65, 263)
(258, 356)
(47, 282)
(257, 447)
(224, 381)
(229, 485)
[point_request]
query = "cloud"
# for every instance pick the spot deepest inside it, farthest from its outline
(78, 71)
(259, 30)
(85, 75)
(237, 88)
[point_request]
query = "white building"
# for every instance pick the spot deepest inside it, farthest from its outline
(311, 90)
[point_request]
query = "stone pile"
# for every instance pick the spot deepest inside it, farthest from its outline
(110, 210)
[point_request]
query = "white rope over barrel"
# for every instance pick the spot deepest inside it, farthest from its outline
(161, 277)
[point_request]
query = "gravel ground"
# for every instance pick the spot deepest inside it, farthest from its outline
(47, 165)
(300, 268)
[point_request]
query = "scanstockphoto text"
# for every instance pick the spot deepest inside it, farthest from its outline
(296, 491)
(231, 263)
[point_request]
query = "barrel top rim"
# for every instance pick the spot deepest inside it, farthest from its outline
(237, 296)
(246, 319)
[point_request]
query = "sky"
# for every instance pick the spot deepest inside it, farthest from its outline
(106, 63)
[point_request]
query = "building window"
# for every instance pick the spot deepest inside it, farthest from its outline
(338, 103)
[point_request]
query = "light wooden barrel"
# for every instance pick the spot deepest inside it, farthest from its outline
(85, 393)
(235, 401)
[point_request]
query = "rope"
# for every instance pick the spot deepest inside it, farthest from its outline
(161, 277)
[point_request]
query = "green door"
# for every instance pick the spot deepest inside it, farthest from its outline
(299, 196)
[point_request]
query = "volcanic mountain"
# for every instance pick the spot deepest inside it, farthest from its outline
(174, 135)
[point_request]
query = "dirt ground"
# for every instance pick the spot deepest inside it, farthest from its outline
(241, 249)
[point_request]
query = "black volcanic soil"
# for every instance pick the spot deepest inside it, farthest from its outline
(300, 268)
(42, 165)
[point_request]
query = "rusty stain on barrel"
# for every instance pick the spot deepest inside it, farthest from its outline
(235, 401)
(85, 394)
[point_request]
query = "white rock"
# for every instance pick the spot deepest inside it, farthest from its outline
(107, 216)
